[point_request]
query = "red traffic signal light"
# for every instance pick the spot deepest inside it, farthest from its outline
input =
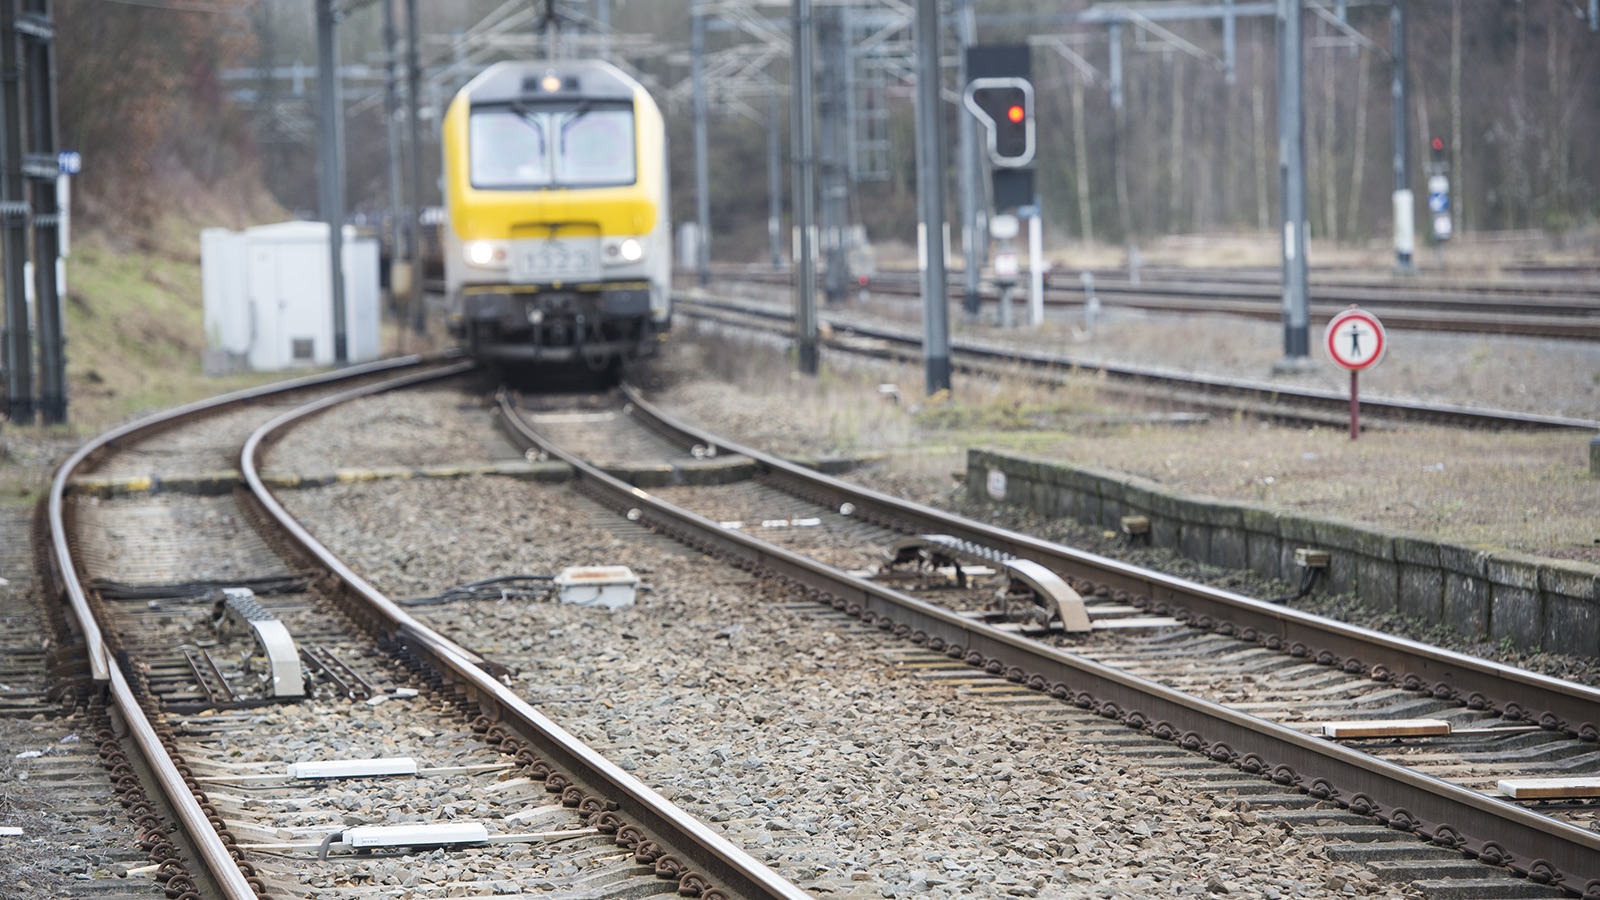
(1005, 106)
(1438, 145)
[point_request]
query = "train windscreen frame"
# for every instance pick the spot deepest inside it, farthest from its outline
(510, 146)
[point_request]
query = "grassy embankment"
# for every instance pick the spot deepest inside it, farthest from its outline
(135, 336)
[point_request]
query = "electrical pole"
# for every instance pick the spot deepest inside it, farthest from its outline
(804, 202)
(973, 243)
(1292, 183)
(419, 312)
(832, 108)
(43, 172)
(702, 177)
(774, 181)
(332, 176)
(391, 108)
(14, 225)
(930, 199)
(1405, 232)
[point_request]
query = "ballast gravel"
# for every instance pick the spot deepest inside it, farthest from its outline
(801, 735)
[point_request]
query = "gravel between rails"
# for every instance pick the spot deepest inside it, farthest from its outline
(802, 740)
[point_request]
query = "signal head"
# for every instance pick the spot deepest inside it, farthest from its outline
(1005, 105)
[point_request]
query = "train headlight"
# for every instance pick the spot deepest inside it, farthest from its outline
(621, 251)
(486, 254)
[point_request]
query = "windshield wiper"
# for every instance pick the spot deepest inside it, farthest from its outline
(572, 118)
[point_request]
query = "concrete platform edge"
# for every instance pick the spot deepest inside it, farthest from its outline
(1532, 603)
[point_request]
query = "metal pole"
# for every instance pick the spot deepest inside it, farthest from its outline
(930, 199)
(14, 225)
(1036, 265)
(1120, 136)
(419, 310)
(331, 138)
(391, 107)
(43, 173)
(1114, 39)
(702, 176)
(973, 243)
(602, 21)
(1228, 42)
(831, 107)
(804, 201)
(1355, 404)
(1404, 208)
(1292, 168)
(774, 181)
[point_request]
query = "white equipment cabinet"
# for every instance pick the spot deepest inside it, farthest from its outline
(269, 297)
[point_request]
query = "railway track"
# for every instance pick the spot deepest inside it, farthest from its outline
(845, 762)
(290, 731)
(1280, 402)
(56, 798)
(1244, 683)
(1544, 307)
(1250, 655)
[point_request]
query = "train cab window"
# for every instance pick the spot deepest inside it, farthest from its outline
(508, 149)
(593, 146)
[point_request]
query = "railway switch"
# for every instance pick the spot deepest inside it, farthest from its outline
(238, 607)
(1049, 592)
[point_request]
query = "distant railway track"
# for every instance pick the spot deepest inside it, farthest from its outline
(1225, 394)
(1188, 687)
(1229, 395)
(1567, 308)
(207, 839)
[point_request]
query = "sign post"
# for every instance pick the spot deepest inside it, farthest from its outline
(1355, 341)
(70, 163)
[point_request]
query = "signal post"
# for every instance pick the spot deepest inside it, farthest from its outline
(999, 93)
(1439, 192)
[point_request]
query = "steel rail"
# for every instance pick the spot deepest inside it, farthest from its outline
(1541, 309)
(1529, 300)
(1478, 683)
(1569, 282)
(214, 854)
(1498, 832)
(727, 867)
(1238, 390)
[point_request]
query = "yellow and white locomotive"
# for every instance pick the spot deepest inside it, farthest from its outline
(557, 243)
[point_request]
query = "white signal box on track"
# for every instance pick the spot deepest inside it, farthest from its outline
(610, 587)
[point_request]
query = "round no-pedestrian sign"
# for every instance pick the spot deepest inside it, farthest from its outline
(1355, 339)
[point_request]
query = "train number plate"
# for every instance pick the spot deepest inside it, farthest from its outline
(556, 260)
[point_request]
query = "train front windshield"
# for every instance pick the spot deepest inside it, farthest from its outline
(586, 145)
